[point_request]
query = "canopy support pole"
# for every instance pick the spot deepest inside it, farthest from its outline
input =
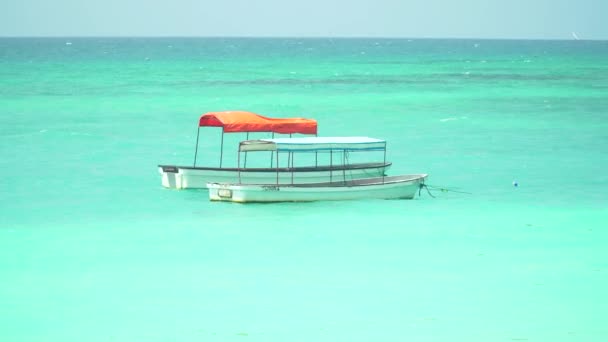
(277, 168)
(245, 166)
(238, 163)
(289, 156)
(316, 154)
(344, 166)
(291, 153)
(196, 147)
(222, 148)
(331, 159)
(384, 167)
(272, 154)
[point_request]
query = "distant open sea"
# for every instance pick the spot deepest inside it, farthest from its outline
(92, 248)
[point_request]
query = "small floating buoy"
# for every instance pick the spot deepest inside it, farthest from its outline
(515, 183)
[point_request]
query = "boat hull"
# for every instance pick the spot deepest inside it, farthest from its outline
(393, 187)
(183, 177)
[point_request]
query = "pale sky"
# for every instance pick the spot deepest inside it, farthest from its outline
(516, 19)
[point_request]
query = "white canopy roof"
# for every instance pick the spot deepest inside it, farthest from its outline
(311, 144)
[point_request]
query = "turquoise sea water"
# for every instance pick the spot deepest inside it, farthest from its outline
(92, 248)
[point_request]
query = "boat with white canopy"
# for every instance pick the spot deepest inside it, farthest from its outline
(183, 177)
(341, 185)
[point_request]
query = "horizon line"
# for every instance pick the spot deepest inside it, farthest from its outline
(294, 37)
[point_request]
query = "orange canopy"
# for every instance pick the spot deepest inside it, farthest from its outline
(238, 121)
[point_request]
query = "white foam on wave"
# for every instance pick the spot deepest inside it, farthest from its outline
(21, 135)
(454, 118)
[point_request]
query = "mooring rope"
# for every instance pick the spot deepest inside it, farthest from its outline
(442, 189)
(424, 186)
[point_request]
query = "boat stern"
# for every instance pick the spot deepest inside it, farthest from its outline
(169, 176)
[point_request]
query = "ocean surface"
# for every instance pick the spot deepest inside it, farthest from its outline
(92, 248)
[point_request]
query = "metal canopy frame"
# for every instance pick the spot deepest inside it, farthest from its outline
(198, 132)
(290, 162)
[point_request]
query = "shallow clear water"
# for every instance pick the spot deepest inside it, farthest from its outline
(93, 248)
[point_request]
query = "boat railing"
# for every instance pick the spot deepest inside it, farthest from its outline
(290, 162)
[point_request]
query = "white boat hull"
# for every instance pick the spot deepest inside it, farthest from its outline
(180, 177)
(393, 187)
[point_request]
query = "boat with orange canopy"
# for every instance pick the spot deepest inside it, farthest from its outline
(197, 176)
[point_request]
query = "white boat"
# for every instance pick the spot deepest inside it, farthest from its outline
(389, 187)
(185, 177)
(341, 187)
